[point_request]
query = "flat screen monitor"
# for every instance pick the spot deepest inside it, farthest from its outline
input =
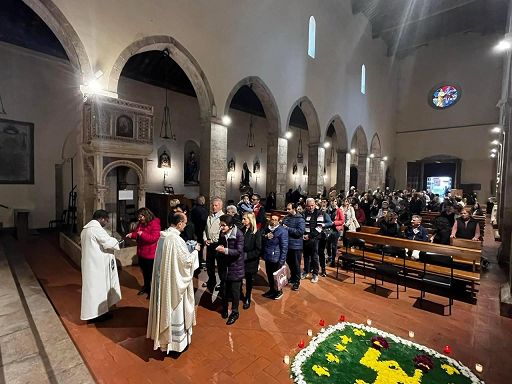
(439, 184)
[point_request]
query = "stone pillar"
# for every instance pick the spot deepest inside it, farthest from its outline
(362, 172)
(341, 169)
(316, 161)
(277, 153)
(348, 162)
(214, 145)
(382, 166)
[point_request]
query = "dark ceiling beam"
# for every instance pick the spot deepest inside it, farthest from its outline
(408, 23)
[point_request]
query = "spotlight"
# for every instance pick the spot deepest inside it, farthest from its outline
(353, 151)
(493, 155)
(503, 45)
(494, 150)
(327, 144)
(495, 142)
(288, 135)
(226, 120)
(496, 129)
(385, 158)
(372, 155)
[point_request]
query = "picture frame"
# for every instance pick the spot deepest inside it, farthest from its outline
(16, 152)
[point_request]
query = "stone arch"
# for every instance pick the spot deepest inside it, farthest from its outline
(340, 145)
(359, 142)
(182, 57)
(123, 163)
(377, 166)
(65, 33)
(309, 111)
(266, 98)
(375, 147)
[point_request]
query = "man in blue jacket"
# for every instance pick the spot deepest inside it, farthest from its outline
(275, 248)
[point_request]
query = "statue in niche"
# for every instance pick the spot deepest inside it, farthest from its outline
(245, 186)
(191, 169)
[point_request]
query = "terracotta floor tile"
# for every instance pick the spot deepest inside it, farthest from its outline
(253, 348)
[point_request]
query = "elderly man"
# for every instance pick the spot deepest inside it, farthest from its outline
(314, 218)
(211, 240)
(100, 283)
(171, 305)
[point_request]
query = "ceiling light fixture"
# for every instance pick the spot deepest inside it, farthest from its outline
(166, 117)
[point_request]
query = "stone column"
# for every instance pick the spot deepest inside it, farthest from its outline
(341, 169)
(277, 152)
(316, 160)
(214, 144)
(362, 172)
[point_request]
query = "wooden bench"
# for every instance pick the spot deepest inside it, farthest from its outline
(461, 256)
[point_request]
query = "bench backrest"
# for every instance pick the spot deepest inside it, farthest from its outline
(467, 254)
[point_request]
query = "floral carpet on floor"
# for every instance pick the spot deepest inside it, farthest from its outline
(358, 354)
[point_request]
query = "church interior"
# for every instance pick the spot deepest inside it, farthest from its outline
(119, 105)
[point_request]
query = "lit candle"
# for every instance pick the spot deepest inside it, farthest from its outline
(286, 360)
(301, 344)
(342, 318)
(411, 334)
(369, 322)
(479, 368)
(447, 350)
(322, 322)
(310, 332)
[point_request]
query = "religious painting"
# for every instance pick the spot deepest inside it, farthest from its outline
(444, 96)
(191, 163)
(16, 152)
(256, 167)
(164, 160)
(124, 126)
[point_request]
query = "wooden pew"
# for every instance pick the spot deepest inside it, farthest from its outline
(462, 256)
(465, 243)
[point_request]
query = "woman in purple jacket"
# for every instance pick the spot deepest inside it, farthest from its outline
(231, 257)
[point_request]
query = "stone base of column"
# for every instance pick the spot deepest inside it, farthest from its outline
(505, 300)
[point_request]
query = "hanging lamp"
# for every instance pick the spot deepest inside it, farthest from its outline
(250, 135)
(166, 128)
(300, 154)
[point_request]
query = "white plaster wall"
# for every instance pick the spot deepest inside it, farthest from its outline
(469, 61)
(42, 90)
(267, 38)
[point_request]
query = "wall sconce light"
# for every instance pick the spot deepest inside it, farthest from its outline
(372, 155)
(288, 135)
(353, 151)
(231, 165)
(164, 160)
(496, 129)
(327, 144)
(226, 120)
(385, 158)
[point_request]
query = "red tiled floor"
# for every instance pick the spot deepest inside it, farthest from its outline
(252, 349)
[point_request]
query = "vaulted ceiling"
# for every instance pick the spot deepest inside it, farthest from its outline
(405, 25)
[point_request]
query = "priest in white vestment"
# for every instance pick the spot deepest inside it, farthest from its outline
(100, 282)
(171, 305)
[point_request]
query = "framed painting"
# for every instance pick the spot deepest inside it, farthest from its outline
(16, 152)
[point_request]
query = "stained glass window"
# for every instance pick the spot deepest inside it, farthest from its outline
(444, 96)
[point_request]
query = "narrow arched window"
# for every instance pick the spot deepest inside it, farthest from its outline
(363, 79)
(312, 37)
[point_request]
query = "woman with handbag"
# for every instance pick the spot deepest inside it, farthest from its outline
(252, 251)
(275, 248)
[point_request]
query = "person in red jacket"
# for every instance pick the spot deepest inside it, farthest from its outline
(147, 234)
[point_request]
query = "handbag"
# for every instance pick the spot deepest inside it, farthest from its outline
(281, 277)
(356, 223)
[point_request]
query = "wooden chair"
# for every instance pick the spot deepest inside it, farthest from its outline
(350, 259)
(385, 268)
(436, 280)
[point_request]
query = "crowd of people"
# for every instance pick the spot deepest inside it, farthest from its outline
(229, 245)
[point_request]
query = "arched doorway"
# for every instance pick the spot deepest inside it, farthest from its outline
(336, 155)
(353, 176)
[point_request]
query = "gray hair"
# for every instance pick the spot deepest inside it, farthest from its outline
(310, 199)
(416, 217)
(231, 208)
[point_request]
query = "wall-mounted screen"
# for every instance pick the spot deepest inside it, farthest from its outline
(439, 184)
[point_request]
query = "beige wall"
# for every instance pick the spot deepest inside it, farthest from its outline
(469, 61)
(40, 89)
